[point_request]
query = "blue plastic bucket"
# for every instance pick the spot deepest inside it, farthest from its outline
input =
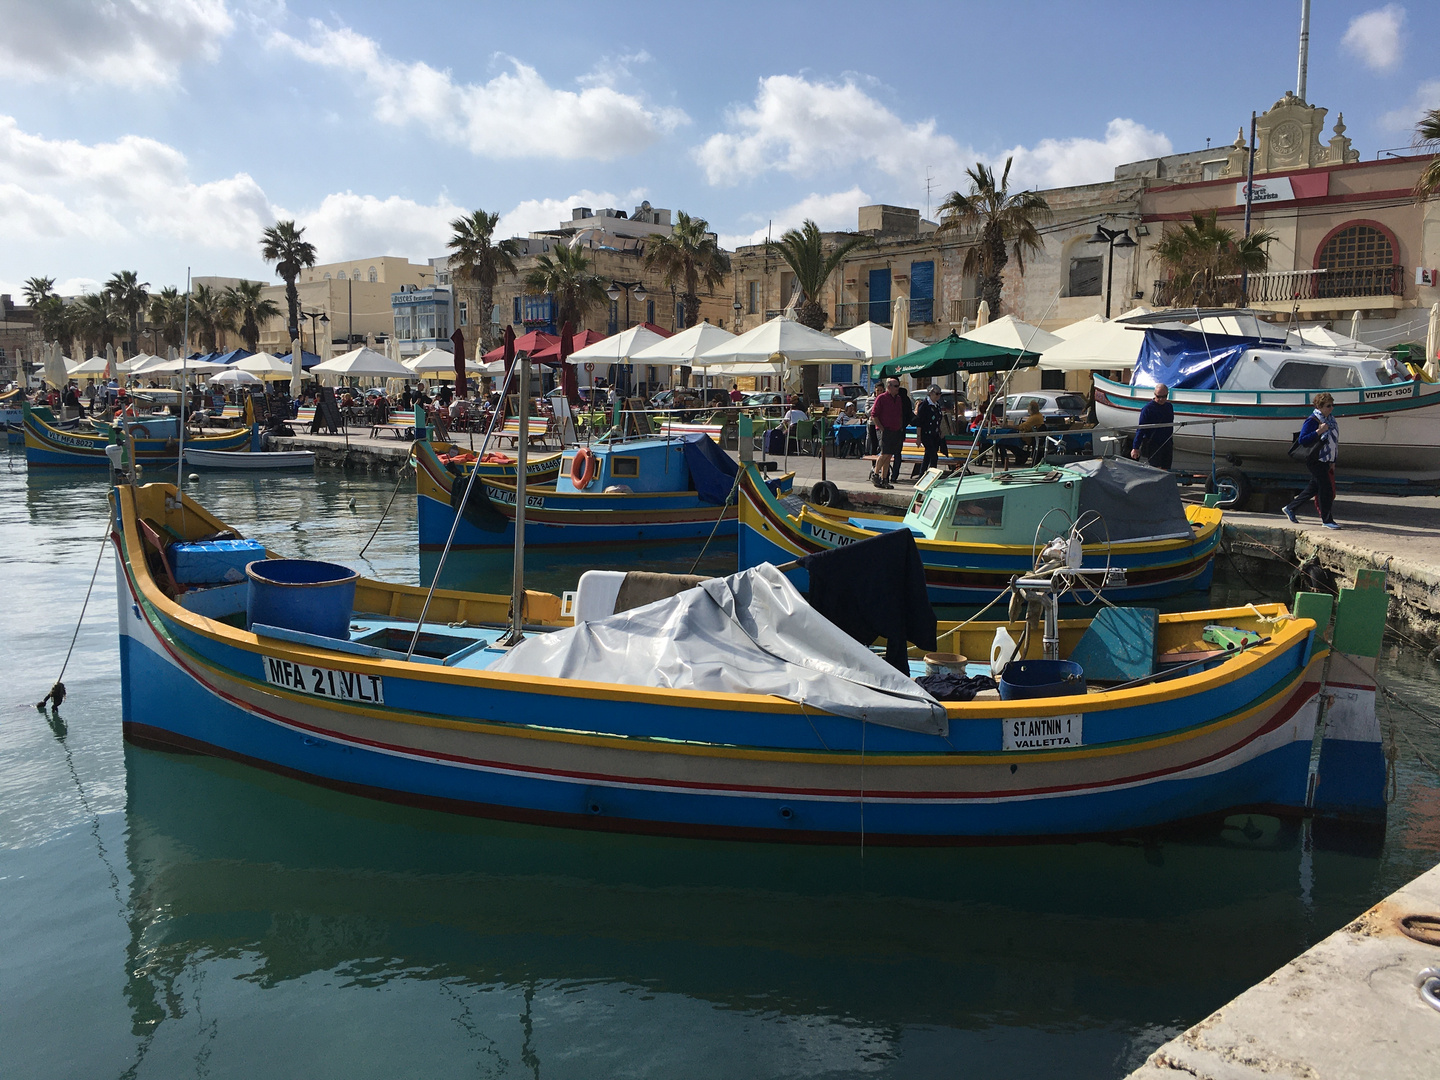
(1041, 678)
(301, 594)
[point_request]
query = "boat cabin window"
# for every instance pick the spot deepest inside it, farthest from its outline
(933, 505)
(978, 512)
(1306, 375)
(624, 466)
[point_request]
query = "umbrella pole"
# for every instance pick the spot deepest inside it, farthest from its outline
(822, 446)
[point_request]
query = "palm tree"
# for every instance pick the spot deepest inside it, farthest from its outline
(1204, 261)
(245, 307)
(283, 244)
(130, 295)
(97, 319)
(566, 276)
(1428, 134)
(209, 317)
(688, 257)
(37, 289)
(167, 314)
(477, 265)
(1008, 226)
(803, 249)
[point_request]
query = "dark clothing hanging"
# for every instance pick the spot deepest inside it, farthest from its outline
(873, 589)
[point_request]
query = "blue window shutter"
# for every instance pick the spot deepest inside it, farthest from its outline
(922, 292)
(879, 296)
(649, 313)
(516, 319)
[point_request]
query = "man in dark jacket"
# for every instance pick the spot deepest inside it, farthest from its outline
(1154, 438)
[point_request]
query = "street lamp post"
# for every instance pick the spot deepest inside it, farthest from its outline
(315, 317)
(613, 292)
(1112, 238)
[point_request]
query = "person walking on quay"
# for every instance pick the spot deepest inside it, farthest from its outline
(907, 417)
(1321, 433)
(1155, 436)
(927, 424)
(888, 415)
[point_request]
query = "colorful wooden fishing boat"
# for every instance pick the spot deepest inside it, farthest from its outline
(541, 470)
(49, 446)
(638, 491)
(976, 533)
(255, 461)
(467, 725)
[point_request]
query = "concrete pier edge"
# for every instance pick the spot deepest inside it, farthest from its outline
(1348, 1007)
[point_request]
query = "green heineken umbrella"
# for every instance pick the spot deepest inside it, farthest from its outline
(951, 355)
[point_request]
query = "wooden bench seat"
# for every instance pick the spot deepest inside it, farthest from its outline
(539, 430)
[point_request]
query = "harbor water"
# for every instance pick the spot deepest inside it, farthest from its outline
(166, 915)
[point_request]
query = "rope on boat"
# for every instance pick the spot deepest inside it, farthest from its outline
(718, 518)
(57, 692)
(455, 525)
(404, 469)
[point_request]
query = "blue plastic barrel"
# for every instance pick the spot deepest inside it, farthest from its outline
(1041, 678)
(301, 594)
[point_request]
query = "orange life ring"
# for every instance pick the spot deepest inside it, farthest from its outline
(583, 468)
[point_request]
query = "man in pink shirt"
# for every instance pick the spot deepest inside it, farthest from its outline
(889, 415)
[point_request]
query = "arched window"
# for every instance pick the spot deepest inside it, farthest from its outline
(1358, 260)
(327, 275)
(340, 276)
(372, 275)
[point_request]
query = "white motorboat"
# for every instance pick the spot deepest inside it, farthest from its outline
(260, 459)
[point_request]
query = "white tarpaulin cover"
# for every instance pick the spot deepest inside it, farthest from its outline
(750, 633)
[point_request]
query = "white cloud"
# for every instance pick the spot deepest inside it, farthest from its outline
(130, 43)
(1064, 162)
(1426, 97)
(835, 211)
(803, 127)
(350, 226)
(516, 114)
(133, 188)
(70, 207)
(1374, 37)
(533, 215)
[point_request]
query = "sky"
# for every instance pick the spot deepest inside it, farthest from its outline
(156, 135)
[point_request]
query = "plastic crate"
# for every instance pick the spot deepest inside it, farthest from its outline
(215, 562)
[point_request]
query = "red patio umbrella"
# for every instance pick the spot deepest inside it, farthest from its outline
(507, 350)
(569, 382)
(457, 339)
(551, 353)
(530, 343)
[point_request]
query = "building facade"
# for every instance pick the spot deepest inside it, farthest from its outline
(422, 319)
(344, 304)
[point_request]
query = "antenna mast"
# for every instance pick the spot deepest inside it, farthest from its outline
(1304, 49)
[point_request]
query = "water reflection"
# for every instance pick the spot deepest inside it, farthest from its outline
(1113, 945)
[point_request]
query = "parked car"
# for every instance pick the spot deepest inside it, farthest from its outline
(830, 392)
(1054, 405)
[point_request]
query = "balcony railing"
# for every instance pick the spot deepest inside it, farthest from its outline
(1285, 286)
(922, 310)
(964, 310)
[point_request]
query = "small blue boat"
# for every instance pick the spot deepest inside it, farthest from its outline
(628, 492)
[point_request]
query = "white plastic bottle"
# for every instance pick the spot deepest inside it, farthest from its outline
(1002, 651)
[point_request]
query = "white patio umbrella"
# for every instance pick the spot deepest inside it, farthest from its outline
(1009, 332)
(900, 328)
(1079, 327)
(233, 376)
(874, 341)
(295, 369)
(266, 366)
(182, 366)
(617, 348)
(438, 361)
(1102, 345)
(364, 362)
(977, 383)
(1355, 324)
(90, 369)
(1432, 343)
(144, 365)
(128, 367)
(781, 340)
(982, 313)
(57, 372)
(110, 360)
(683, 348)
